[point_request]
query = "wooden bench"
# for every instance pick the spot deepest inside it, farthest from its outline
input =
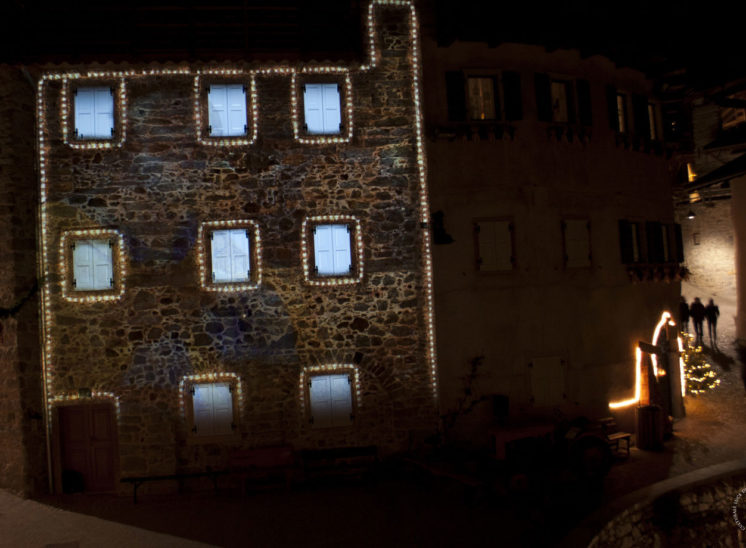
(137, 481)
(614, 437)
(263, 463)
(339, 461)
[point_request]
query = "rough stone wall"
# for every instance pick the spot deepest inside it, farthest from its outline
(22, 450)
(161, 185)
(709, 251)
(700, 516)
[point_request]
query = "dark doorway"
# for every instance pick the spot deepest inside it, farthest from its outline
(88, 447)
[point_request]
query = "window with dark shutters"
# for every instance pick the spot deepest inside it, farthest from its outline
(543, 97)
(611, 107)
(641, 117)
(584, 102)
(655, 242)
(512, 95)
(629, 242)
(679, 241)
(456, 95)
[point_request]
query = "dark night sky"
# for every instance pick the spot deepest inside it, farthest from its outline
(656, 36)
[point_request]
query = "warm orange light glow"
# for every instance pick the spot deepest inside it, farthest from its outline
(638, 384)
(665, 317)
(681, 366)
(691, 176)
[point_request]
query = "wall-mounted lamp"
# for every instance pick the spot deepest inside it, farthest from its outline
(691, 215)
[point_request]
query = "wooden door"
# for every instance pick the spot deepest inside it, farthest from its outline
(88, 447)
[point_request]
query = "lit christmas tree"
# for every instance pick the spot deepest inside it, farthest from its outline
(700, 376)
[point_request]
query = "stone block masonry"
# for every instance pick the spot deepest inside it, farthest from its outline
(162, 184)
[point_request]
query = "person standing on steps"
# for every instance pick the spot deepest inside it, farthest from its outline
(711, 313)
(697, 312)
(683, 315)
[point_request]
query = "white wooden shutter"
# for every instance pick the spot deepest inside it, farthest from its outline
(83, 265)
(203, 409)
(341, 246)
(321, 401)
(332, 108)
(323, 250)
(495, 245)
(236, 101)
(577, 243)
(217, 106)
(222, 405)
(84, 113)
(102, 267)
(221, 262)
(239, 253)
(313, 108)
(103, 105)
(341, 397)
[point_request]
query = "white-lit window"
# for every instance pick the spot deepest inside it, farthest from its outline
(227, 110)
(212, 406)
(330, 397)
(94, 113)
(621, 112)
(92, 265)
(332, 246)
(558, 90)
(577, 235)
(229, 251)
(481, 98)
(322, 109)
(494, 240)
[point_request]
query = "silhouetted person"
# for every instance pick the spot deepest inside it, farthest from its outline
(697, 312)
(683, 315)
(711, 313)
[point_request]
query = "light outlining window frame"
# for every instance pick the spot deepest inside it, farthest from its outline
(234, 76)
(62, 399)
(356, 240)
(118, 265)
(44, 149)
(255, 256)
(304, 398)
(209, 378)
(69, 81)
(345, 106)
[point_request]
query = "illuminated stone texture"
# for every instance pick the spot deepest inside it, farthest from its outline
(162, 184)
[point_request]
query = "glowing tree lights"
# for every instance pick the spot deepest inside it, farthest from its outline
(700, 376)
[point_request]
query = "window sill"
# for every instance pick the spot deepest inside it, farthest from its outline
(664, 272)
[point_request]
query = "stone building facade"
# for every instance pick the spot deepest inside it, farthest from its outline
(126, 363)
(551, 180)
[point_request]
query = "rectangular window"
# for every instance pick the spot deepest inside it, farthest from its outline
(92, 265)
(227, 110)
(229, 250)
(629, 242)
(560, 101)
(621, 112)
(212, 409)
(322, 109)
(94, 113)
(494, 245)
(577, 239)
(652, 122)
(332, 250)
(665, 244)
(482, 98)
(330, 398)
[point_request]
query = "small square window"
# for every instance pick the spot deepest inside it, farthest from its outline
(482, 98)
(226, 104)
(322, 109)
(494, 245)
(332, 250)
(229, 255)
(212, 409)
(330, 400)
(577, 240)
(94, 112)
(92, 265)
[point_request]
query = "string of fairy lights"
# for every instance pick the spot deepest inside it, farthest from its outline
(187, 381)
(256, 250)
(119, 266)
(328, 369)
(306, 252)
(296, 75)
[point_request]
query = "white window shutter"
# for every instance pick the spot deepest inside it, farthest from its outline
(577, 243)
(102, 264)
(239, 255)
(321, 401)
(217, 105)
(236, 103)
(313, 108)
(222, 405)
(323, 250)
(203, 409)
(104, 109)
(332, 108)
(341, 397)
(341, 245)
(83, 265)
(84, 113)
(220, 249)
